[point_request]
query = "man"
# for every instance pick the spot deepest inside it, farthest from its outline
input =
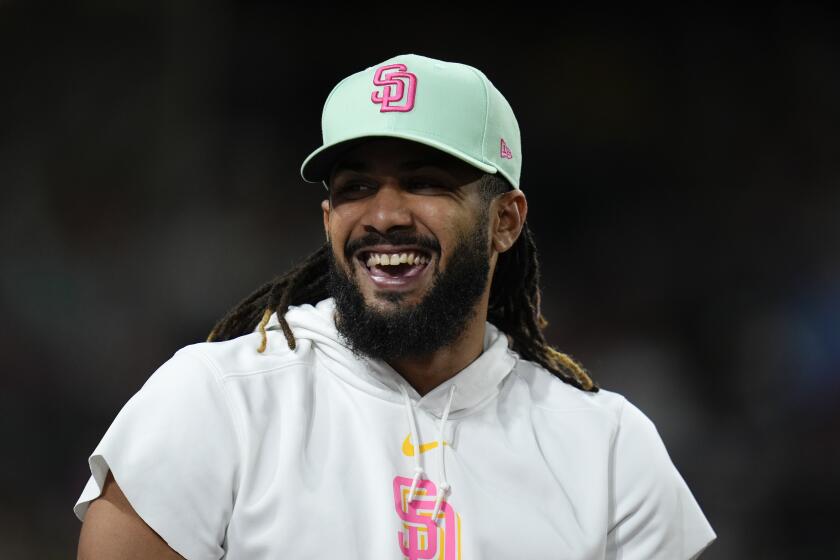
(393, 396)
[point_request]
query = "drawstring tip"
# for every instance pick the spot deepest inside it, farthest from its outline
(443, 489)
(418, 474)
(436, 511)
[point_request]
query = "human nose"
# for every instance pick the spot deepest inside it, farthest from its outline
(388, 209)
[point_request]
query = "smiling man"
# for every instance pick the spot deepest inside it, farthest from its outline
(412, 284)
(392, 396)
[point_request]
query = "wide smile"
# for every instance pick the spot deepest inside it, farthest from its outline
(395, 268)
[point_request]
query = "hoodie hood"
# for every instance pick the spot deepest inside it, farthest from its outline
(475, 384)
(467, 389)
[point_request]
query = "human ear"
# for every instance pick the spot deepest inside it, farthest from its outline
(325, 207)
(511, 209)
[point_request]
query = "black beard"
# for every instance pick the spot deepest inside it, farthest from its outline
(433, 323)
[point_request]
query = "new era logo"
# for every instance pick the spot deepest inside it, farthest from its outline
(505, 150)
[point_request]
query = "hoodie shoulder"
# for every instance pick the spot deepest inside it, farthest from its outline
(551, 393)
(241, 356)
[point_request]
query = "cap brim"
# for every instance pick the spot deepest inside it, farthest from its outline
(317, 167)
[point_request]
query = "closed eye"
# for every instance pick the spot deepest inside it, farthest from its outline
(428, 186)
(353, 190)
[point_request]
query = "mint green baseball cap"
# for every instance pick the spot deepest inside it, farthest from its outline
(446, 105)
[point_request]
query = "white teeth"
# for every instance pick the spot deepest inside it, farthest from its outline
(392, 259)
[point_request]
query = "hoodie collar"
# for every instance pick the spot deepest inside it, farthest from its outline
(474, 384)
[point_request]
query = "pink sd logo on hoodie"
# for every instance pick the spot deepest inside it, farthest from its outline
(397, 84)
(421, 537)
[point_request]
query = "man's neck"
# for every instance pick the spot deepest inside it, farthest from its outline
(424, 373)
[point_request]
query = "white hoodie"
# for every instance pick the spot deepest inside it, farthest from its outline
(311, 453)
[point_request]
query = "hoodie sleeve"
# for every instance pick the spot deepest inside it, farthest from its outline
(173, 450)
(653, 514)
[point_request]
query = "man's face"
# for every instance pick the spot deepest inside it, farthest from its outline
(409, 235)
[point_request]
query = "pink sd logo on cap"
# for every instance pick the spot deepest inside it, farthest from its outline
(394, 88)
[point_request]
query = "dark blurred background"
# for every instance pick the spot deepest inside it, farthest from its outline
(682, 171)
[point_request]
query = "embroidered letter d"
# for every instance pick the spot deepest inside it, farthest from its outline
(394, 88)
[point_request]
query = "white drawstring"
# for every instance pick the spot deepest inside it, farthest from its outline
(443, 486)
(415, 442)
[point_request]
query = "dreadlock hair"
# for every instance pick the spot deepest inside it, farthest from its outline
(514, 300)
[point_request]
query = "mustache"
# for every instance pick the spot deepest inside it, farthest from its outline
(395, 238)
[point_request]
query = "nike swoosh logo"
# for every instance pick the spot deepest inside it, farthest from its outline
(408, 448)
